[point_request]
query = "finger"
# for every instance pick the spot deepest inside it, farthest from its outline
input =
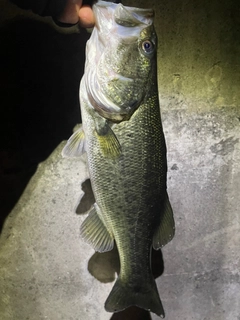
(86, 17)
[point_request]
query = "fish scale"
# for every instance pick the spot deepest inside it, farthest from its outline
(122, 187)
(126, 151)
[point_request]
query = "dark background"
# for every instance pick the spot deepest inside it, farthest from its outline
(40, 67)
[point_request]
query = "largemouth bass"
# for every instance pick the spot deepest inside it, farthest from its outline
(123, 138)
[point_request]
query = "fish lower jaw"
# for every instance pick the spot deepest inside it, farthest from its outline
(103, 105)
(109, 113)
(95, 95)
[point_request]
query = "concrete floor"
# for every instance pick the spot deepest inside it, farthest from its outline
(46, 270)
(44, 264)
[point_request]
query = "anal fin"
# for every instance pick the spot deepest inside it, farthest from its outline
(166, 229)
(95, 233)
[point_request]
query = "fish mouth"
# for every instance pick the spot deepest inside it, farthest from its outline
(123, 15)
(126, 21)
(102, 104)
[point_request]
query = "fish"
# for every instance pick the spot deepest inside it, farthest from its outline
(122, 136)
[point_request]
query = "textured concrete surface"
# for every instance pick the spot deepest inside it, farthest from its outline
(46, 271)
(201, 276)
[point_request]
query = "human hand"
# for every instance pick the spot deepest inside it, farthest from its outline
(75, 11)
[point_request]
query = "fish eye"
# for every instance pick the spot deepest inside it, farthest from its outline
(147, 46)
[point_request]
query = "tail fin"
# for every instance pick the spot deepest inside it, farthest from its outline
(144, 296)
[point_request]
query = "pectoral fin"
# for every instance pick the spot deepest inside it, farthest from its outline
(95, 232)
(166, 230)
(108, 141)
(75, 145)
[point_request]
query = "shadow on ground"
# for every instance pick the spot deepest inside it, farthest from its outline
(40, 69)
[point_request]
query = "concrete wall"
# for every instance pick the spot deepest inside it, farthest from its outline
(43, 262)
